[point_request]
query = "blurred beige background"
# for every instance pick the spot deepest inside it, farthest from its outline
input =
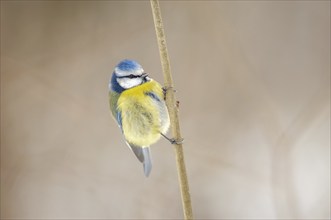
(253, 81)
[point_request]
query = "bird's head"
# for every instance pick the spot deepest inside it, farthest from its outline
(129, 73)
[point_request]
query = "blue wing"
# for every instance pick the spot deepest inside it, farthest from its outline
(119, 119)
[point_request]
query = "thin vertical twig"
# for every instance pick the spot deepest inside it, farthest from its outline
(173, 110)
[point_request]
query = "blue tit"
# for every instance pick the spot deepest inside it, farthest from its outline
(137, 105)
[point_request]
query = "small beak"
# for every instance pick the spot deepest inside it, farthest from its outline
(144, 75)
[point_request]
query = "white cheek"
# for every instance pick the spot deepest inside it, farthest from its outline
(129, 83)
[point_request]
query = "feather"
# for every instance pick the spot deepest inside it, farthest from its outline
(137, 151)
(153, 96)
(144, 156)
(119, 119)
(147, 161)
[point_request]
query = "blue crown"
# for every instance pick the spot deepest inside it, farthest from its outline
(128, 65)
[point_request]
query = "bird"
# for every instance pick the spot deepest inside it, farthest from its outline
(137, 103)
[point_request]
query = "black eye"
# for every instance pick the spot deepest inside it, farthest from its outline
(132, 76)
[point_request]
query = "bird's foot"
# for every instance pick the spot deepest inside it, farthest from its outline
(173, 140)
(165, 90)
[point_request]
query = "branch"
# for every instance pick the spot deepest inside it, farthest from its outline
(172, 109)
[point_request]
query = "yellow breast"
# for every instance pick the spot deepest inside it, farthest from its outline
(140, 114)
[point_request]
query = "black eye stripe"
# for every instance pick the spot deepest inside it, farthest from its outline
(131, 76)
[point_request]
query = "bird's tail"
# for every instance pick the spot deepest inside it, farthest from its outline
(147, 163)
(144, 155)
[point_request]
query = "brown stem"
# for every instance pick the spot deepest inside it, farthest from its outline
(172, 109)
